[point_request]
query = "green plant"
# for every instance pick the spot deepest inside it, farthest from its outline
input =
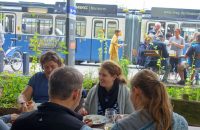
(104, 45)
(12, 85)
(178, 92)
(124, 65)
(89, 81)
(35, 46)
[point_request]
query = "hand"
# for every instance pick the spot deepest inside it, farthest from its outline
(83, 111)
(88, 122)
(14, 117)
(23, 107)
(27, 106)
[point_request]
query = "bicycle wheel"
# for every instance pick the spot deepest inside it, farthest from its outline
(16, 61)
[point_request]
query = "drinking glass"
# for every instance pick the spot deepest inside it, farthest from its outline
(110, 114)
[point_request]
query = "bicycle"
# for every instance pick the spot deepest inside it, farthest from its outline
(13, 56)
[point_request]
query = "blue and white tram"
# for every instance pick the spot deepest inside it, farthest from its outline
(22, 20)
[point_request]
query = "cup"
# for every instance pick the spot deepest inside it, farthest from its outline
(110, 114)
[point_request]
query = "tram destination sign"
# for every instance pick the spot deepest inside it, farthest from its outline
(175, 13)
(96, 10)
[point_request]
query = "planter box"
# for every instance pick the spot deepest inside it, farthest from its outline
(188, 109)
(5, 111)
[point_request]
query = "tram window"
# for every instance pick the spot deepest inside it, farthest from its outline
(189, 29)
(111, 27)
(151, 26)
(45, 24)
(60, 26)
(80, 27)
(29, 25)
(98, 26)
(42, 24)
(9, 23)
(171, 28)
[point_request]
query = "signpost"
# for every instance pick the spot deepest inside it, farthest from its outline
(70, 32)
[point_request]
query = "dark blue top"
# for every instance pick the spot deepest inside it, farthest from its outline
(194, 50)
(39, 83)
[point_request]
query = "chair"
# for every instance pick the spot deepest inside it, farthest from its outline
(152, 53)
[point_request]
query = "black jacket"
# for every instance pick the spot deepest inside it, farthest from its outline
(49, 116)
(152, 61)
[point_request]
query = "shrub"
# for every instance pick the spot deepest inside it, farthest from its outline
(12, 85)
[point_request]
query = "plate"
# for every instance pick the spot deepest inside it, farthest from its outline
(96, 119)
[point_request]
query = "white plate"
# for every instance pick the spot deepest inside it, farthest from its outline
(96, 119)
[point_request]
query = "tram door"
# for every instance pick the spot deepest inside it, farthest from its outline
(102, 31)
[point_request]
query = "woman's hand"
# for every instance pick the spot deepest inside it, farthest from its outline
(83, 111)
(14, 117)
(27, 106)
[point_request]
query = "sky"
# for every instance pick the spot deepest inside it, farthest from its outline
(133, 4)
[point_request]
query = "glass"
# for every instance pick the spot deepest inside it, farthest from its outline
(108, 126)
(110, 114)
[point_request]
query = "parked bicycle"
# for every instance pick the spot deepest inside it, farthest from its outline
(13, 56)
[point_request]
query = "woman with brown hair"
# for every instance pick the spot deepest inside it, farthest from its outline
(110, 92)
(37, 88)
(153, 108)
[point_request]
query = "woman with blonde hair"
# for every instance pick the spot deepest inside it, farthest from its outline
(110, 92)
(153, 108)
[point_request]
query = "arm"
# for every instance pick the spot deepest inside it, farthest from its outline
(6, 118)
(181, 46)
(115, 42)
(26, 95)
(128, 106)
(24, 98)
(3, 125)
(190, 52)
(88, 100)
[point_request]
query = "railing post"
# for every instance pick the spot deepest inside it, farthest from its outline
(1, 61)
(25, 63)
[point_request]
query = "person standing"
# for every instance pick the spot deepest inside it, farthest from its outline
(177, 44)
(114, 46)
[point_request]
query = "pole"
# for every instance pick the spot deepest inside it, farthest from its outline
(1, 61)
(25, 63)
(70, 32)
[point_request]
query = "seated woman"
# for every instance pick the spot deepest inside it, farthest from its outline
(110, 92)
(141, 58)
(37, 88)
(152, 104)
